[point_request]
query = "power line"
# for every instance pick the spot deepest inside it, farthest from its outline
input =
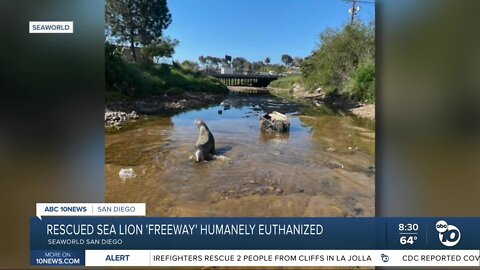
(355, 8)
(359, 1)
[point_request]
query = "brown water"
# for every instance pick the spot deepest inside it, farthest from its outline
(269, 175)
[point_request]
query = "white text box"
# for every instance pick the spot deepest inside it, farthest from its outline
(50, 27)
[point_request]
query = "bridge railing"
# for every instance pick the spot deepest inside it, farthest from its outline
(245, 80)
(255, 80)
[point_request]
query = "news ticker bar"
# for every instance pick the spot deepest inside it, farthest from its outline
(295, 258)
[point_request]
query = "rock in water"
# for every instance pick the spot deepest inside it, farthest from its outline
(118, 118)
(274, 121)
(127, 173)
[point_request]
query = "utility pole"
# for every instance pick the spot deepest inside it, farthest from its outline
(353, 11)
(356, 8)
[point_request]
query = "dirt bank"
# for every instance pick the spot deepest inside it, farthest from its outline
(364, 111)
(336, 102)
(117, 112)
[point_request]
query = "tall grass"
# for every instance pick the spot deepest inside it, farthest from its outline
(286, 82)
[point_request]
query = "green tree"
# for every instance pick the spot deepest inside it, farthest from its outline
(162, 48)
(224, 62)
(267, 61)
(247, 66)
(216, 61)
(208, 61)
(190, 65)
(239, 63)
(287, 59)
(137, 22)
(202, 60)
(258, 65)
(297, 61)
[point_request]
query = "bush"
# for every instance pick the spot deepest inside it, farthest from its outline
(338, 56)
(115, 96)
(126, 78)
(361, 84)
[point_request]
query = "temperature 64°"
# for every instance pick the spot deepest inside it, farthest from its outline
(408, 239)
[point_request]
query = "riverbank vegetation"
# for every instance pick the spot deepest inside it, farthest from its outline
(343, 64)
(286, 82)
(128, 80)
(134, 40)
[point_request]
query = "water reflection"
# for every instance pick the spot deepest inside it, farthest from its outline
(266, 137)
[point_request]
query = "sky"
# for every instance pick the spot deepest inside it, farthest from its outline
(255, 29)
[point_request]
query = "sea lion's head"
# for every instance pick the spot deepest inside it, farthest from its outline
(199, 123)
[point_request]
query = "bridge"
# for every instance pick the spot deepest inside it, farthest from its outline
(245, 80)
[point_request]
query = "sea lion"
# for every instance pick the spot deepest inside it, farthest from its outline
(205, 145)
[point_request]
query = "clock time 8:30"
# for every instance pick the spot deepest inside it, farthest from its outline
(408, 227)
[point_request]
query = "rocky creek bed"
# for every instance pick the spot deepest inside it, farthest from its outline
(118, 113)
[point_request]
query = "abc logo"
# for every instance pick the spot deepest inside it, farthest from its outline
(449, 235)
